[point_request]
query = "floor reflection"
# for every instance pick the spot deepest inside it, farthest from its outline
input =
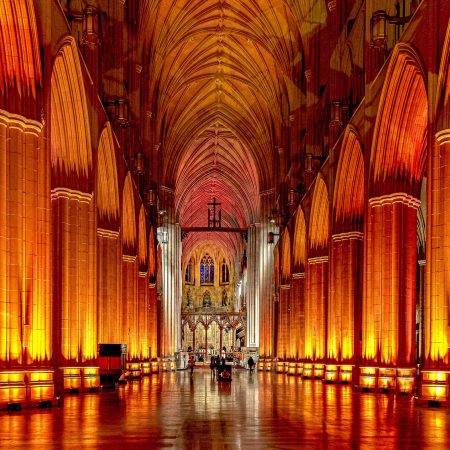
(261, 410)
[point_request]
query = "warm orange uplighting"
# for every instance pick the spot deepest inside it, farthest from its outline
(299, 246)
(331, 373)
(280, 367)
(348, 198)
(107, 182)
(20, 63)
(128, 215)
(71, 378)
(70, 137)
(142, 243)
(308, 370)
(319, 224)
(292, 369)
(91, 378)
(398, 151)
(146, 368)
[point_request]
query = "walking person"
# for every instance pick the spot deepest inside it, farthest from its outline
(192, 364)
(251, 364)
(212, 366)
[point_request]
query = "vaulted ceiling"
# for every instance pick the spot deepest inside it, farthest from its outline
(223, 80)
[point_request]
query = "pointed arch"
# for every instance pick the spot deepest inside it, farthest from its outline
(142, 244)
(299, 248)
(348, 201)
(319, 222)
(70, 134)
(20, 62)
(285, 256)
(129, 214)
(107, 184)
(399, 144)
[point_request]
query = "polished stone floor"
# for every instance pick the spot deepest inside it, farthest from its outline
(254, 411)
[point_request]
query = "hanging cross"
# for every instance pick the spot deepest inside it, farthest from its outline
(213, 222)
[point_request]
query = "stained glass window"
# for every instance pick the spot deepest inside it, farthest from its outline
(207, 270)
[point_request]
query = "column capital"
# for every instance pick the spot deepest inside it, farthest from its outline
(397, 197)
(443, 136)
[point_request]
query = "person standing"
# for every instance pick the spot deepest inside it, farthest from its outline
(212, 366)
(192, 364)
(251, 364)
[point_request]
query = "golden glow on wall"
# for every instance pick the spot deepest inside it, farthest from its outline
(24, 243)
(319, 222)
(107, 184)
(349, 188)
(20, 63)
(70, 133)
(129, 214)
(142, 244)
(299, 247)
(399, 148)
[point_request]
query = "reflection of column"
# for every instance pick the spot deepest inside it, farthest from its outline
(206, 341)
(316, 307)
(343, 304)
(388, 323)
(438, 256)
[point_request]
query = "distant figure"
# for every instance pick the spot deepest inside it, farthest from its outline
(192, 364)
(223, 360)
(216, 365)
(251, 364)
(212, 366)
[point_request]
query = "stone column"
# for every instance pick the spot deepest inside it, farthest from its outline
(265, 279)
(316, 308)
(437, 303)
(253, 256)
(388, 324)
(298, 315)
(25, 263)
(169, 236)
(344, 308)
(109, 286)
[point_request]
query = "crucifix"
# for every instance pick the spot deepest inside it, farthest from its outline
(213, 222)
